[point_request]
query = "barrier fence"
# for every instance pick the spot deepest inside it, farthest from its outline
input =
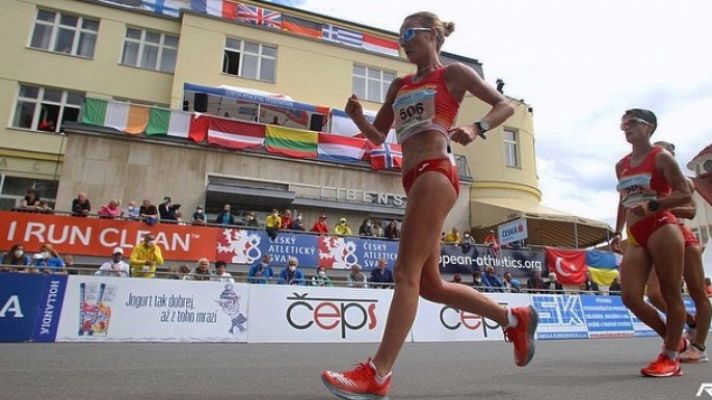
(61, 308)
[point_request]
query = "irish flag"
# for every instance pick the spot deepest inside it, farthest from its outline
(125, 117)
(341, 149)
(291, 142)
(162, 121)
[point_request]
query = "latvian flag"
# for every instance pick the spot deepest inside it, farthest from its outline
(235, 135)
(386, 156)
(341, 149)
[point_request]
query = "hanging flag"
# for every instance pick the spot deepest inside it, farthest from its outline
(220, 8)
(236, 135)
(199, 127)
(568, 265)
(259, 16)
(291, 142)
(125, 117)
(386, 156)
(162, 121)
(603, 266)
(340, 148)
(170, 8)
(336, 34)
(380, 45)
(301, 26)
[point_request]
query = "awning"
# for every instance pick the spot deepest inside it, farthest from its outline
(252, 198)
(545, 226)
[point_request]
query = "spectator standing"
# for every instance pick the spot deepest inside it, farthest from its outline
(202, 271)
(115, 267)
(164, 208)
(272, 224)
(553, 286)
(452, 237)
(145, 257)
(382, 277)
(81, 206)
(589, 285)
(17, 256)
(491, 280)
(110, 210)
(510, 284)
(535, 282)
(392, 231)
(225, 217)
(49, 260)
(261, 272)
(292, 275)
(286, 220)
(491, 238)
(377, 229)
(199, 217)
(320, 225)
(615, 287)
(221, 274)
(356, 279)
(365, 228)
(477, 280)
(132, 211)
(467, 242)
(298, 224)
(31, 201)
(342, 228)
(251, 220)
(148, 212)
(321, 279)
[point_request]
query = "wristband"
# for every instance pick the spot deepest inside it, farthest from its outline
(654, 205)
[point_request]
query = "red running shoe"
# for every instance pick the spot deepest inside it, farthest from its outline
(357, 384)
(662, 367)
(522, 335)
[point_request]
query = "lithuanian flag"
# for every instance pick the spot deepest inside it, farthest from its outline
(290, 142)
(125, 117)
(603, 266)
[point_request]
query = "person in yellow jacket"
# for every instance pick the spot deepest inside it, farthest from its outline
(272, 224)
(342, 228)
(453, 237)
(145, 257)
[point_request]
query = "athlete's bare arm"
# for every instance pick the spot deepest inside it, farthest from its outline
(687, 211)
(376, 133)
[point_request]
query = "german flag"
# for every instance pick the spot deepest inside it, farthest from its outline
(301, 26)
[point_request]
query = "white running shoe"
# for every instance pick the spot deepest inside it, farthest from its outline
(693, 355)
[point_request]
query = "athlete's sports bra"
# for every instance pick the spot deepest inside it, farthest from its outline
(426, 105)
(638, 185)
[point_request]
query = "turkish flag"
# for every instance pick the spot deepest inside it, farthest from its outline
(568, 265)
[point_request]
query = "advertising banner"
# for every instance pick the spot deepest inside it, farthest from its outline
(560, 317)
(441, 323)
(138, 310)
(243, 246)
(513, 231)
(30, 306)
(311, 315)
(463, 259)
(606, 317)
(98, 237)
(340, 252)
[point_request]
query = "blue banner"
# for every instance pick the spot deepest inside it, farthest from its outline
(29, 306)
(560, 317)
(606, 317)
(285, 245)
(464, 259)
(50, 308)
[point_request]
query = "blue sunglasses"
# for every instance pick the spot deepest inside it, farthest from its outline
(410, 33)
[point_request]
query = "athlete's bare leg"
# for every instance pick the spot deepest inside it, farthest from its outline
(695, 278)
(634, 271)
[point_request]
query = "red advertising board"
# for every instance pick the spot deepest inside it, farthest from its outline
(98, 237)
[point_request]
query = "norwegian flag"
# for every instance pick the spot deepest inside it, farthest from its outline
(386, 156)
(259, 16)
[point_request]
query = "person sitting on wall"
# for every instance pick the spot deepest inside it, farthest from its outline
(148, 212)
(261, 272)
(291, 275)
(320, 225)
(272, 224)
(145, 257)
(342, 228)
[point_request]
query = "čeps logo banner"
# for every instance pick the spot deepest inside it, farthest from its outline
(121, 309)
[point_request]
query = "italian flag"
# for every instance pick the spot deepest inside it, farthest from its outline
(125, 117)
(290, 142)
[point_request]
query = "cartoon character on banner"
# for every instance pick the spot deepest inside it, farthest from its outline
(230, 303)
(242, 245)
(335, 252)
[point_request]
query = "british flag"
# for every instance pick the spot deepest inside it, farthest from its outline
(259, 16)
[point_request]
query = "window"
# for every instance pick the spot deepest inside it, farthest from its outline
(249, 60)
(65, 33)
(371, 83)
(13, 189)
(511, 149)
(150, 50)
(46, 109)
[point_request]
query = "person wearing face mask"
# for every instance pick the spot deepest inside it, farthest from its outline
(132, 211)
(272, 224)
(48, 259)
(321, 279)
(145, 257)
(225, 217)
(287, 220)
(115, 267)
(16, 256)
(291, 275)
(298, 224)
(261, 272)
(366, 228)
(199, 216)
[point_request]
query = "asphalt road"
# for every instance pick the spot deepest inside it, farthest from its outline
(590, 369)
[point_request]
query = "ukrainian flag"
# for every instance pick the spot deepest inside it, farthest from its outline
(603, 266)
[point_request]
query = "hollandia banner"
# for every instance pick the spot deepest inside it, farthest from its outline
(30, 306)
(105, 309)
